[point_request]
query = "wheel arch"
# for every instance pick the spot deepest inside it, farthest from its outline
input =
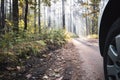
(110, 15)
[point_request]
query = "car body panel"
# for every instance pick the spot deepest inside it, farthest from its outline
(103, 5)
(108, 16)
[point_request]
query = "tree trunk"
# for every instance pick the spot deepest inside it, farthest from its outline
(26, 13)
(2, 16)
(63, 13)
(44, 16)
(94, 26)
(10, 16)
(39, 16)
(5, 9)
(54, 16)
(35, 17)
(70, 16)
(49, 17)
(15, 16)
(87, 26)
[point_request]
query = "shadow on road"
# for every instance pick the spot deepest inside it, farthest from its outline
(87, 43)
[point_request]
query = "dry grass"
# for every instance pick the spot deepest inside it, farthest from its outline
(93, 36)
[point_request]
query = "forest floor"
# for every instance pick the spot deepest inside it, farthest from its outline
(66, 63)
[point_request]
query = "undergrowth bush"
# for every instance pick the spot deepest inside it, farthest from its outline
(56, 37)
(24, 44)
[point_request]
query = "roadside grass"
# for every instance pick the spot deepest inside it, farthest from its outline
(93, 36)
(15, 47)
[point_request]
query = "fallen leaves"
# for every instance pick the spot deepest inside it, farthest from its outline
(49, 66)
(45, 77)
(28, 76)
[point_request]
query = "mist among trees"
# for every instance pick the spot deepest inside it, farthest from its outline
(76, 16)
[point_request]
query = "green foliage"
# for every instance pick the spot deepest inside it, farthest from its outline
(7, 57)
(6, 40)
(47, 2)
(57, 37)
(27, 49)
(91, 12)
(23, 44)
(17, 43)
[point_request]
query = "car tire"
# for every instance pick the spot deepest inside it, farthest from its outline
(111, 53)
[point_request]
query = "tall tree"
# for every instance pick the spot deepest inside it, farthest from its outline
(15, 15)
(35, 14)
(10, 14)
(2, 15)
(92, 9)
(95, 10)
(39, 16)
(26, 14)
(71, 16)
(63, 13)
(5, 8)
(54, 14)
(49, 16)
(44, 16)
(86, 19)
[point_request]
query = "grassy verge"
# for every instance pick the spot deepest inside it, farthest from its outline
(23, 45)
(93, 36)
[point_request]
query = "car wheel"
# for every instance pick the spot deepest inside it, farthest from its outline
(112, 53)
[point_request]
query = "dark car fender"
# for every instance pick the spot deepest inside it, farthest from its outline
(108, 16)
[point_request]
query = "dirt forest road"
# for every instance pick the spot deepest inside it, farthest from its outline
(92, 62)
(78, 59)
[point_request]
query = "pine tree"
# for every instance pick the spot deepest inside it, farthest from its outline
(2, 16)
(39, 16)
(26, 14)
(63, 13)
(15, 15)
(35, 15)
